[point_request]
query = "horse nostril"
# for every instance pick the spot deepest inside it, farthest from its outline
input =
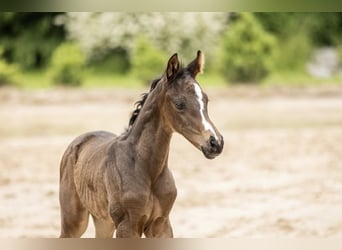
(213, 142)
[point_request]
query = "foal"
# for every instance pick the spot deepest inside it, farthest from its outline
(124, 181)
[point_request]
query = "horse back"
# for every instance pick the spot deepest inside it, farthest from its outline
(89, 141)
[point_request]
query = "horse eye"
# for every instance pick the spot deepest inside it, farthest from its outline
(180, 105)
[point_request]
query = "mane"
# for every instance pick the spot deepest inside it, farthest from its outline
(139, 104)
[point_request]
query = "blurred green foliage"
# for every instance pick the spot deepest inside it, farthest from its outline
(322, 29)
(298, 34)
(8, 73)
(117, 61)
(28, 39)
(292, 54)
(339, 55)
(247, 50)
(182, 32)
(147, 61)
(255, 45)
(67, 65)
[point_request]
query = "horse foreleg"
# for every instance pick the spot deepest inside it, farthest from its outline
(103, 228)
(131, 226)
(159, 228)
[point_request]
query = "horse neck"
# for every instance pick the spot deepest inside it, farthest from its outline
(151, 136)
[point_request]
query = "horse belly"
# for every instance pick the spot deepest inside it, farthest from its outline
(89, 175)
(92, 191)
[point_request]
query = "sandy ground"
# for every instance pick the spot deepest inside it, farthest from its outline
(280, 174)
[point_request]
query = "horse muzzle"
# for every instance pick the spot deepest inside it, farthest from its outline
(213, 147)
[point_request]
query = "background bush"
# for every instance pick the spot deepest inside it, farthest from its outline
(297, 35)
(293, 53)
(117, 61)
(28, 39)
(67, 64)
(247, 50)
(8, 72)
(148, 62)
(183, 32)
(109, 41)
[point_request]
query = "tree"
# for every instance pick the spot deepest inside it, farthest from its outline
(185, 33)
(322, 29)
(147, 60)
(67, 64)
(247, 50)
(28, 39)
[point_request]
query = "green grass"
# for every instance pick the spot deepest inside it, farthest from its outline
(40, 79)
(298, 79)
(36, 79)
(283, 79)
(104, 80)
(211, 79)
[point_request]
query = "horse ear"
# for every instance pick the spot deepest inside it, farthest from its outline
(197, 65)
(172, 67)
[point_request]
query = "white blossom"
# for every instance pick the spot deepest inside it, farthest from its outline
(182, 32)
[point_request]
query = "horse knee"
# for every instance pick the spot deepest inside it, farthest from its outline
(127, 230)
(132, 225)
(159, 228)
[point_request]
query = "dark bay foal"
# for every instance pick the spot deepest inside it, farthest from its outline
(124, 181)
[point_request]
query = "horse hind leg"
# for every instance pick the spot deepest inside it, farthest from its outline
(103, 228)
(74, 226)
(74, 216)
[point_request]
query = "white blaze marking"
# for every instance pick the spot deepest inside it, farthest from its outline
(206, 124)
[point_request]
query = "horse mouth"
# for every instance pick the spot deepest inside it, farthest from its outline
(208, 153)
(213, 147)
(210, 150)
